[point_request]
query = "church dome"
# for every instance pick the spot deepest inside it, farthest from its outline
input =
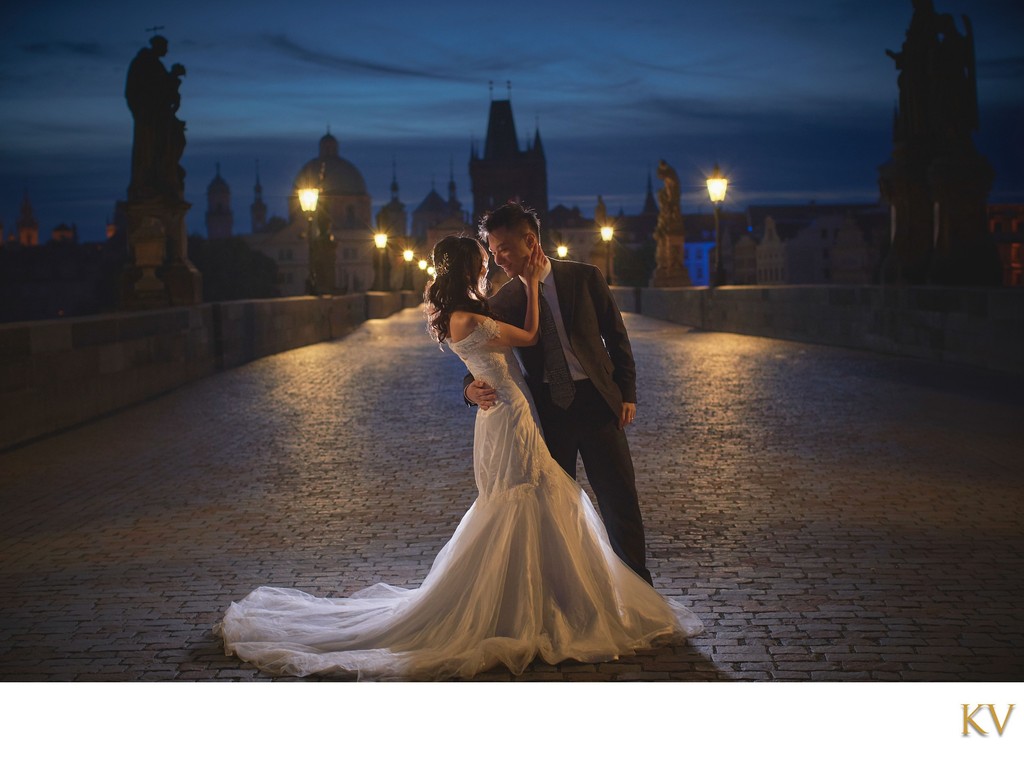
(340, 177)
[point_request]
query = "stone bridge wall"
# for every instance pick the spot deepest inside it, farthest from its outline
(58, 373)
(977, 327)
(55, 374)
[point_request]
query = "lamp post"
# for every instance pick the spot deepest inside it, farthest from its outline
(307, 201)
(717, 185)
(407, 278)
(379, 283)
(562, 251)
(607, 233)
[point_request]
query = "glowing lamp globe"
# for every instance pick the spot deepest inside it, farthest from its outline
(308, 198)
(717, 184)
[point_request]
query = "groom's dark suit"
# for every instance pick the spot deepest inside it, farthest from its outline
(589, 427)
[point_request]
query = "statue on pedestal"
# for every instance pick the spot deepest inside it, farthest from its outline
(160, 273)
(936, 182)
(669, 233)
(158, 142)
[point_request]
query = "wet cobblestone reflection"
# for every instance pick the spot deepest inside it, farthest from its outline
(830, 514)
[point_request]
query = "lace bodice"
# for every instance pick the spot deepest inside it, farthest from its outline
(493, 363)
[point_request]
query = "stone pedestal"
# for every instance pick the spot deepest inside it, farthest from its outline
(904, 186)
(669, 269)
(965, 252)
(160, 274)
(324, 264)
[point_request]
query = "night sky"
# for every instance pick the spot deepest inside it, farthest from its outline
(793, 99)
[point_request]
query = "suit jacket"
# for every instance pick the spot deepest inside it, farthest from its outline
(592, 322)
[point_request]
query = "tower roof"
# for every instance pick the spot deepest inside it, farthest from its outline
(650, 206)
(432, 203)
(501, 132)
(218, 182)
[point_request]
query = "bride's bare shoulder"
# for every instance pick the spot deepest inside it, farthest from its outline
(462, 324)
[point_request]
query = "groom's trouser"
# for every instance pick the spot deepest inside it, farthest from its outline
(589, 429)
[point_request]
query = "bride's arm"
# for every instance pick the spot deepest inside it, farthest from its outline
(463, 322)
(513, 336)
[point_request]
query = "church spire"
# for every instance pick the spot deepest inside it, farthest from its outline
(538, 148)
(258, 209)
(394, 179)
(27, 226)
(650, 206)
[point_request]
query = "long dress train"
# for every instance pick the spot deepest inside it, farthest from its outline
(528, 572)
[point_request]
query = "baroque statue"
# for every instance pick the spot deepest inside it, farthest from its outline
(936, 182)
(153, 95)
(669, 234)
(159, 273)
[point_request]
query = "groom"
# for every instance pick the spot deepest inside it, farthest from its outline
(581, 373)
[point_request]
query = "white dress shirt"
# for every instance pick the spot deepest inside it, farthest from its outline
(575, 368)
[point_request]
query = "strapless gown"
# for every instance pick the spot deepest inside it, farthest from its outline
(528, 573)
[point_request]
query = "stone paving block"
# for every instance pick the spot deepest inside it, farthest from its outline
(828, 513)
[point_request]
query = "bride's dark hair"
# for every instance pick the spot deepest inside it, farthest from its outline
(456, 286)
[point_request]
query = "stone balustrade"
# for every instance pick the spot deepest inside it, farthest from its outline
(976, 327)
(55, 374)
(58, 373)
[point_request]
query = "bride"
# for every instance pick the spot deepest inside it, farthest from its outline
(529, 570)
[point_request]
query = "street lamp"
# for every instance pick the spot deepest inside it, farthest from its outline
(379, 283)
(717, 184)
(430, 271)
(407, 279)
(307, 201)
(607, 233)
(562, 251)
(423, 265)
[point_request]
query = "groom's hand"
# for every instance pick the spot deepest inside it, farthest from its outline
(627, 414)
(481, 393)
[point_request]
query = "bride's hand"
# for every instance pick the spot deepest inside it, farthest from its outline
(534, 266)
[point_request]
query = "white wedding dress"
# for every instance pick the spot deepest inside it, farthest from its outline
(529, 572)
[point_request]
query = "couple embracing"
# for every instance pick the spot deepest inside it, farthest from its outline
(532, 570)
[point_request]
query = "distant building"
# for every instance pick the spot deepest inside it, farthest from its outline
(504, 171)
(219, 219)
(1006, 224)
(578, 233)
(770, 255)
(392, 218)
(813, 244)
(436, 218)
(62, 233)
(699, 244)
(27, 226)
(258, 209)
(343, 212)
(429, 213)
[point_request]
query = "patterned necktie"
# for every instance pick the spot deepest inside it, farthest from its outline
(556, 370)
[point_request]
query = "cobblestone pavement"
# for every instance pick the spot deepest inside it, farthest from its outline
(830, 514)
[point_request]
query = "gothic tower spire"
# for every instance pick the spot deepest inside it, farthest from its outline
(258, 209)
